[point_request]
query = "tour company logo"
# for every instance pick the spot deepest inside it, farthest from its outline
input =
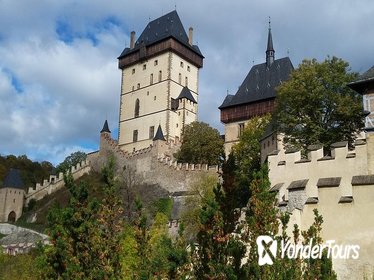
(267, 248)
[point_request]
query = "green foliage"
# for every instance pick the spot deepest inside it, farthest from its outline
(17, 267)
(31, 172)
(164, 206)
(70, 161)
(316, 107)
(200, 144)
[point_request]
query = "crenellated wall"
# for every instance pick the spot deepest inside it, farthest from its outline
(341, 187)
(56, 182)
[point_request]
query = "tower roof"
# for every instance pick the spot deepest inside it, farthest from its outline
(260, 83)
(186, 93)
(270, 41)
(159, 134)
(105, 127)
(13, 180)
(362, 82)
(162, 28)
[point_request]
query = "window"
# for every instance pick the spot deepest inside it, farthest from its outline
(147, 93)
(180, 78)
(133, 70)
(188, 68)
(138, 87)
(151, 79)
(144, 66)
(186, 81)
(241, 129)
(151, 132)
(154, 98)
(133, 88)
(135, 136)
(182, 64)
(156, 62)
(137, 108)
(160, 76)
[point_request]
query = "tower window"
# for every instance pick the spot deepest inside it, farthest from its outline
(188, 68)
(137, 108)
(151, 79)
(138, 86)
(154, 98)
(144, 66)
(156, 62)
(151, 132)
(135, 136)
(186, 81)
(241, 129)
(182, 64)
(160, 76)
(180, 78)
(133, 88)
(133, 70)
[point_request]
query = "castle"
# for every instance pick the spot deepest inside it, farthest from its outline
(159, 96)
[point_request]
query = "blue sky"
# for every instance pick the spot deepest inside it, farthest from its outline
(59, 79)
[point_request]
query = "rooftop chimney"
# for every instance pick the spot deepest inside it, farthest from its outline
(190, 33)
(132, 40)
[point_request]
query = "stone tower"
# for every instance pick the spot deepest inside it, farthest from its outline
(159, 83)
(11, 197)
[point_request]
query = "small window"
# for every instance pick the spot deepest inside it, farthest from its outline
(160, 76)
(144, 66)
(241, 129)
(135, 136)
(151, 79)
(180, 78)
(188, 68)
(138, 86)
(151, 132)
(137, 108)
(177, 125)
(14, 200)
(133, 70)
(133, 88)
(186, 81)
(182, 64)
(154, 98)
(156, 62)
(147, 93)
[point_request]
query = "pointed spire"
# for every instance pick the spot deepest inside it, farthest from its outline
(105, 127)
(270, 49)
(159, 134)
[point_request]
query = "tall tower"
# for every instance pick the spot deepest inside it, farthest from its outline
(159, 83)
(270, 49)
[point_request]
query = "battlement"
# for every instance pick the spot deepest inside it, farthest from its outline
(300, 181)
(56, 182)
(186, 166)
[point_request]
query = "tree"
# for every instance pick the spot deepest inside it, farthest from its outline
(200, 144)
(70, 161)
(316, 107)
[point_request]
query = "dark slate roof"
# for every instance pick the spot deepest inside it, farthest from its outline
(298, 185)
(13, 180)
(359, 84)
(159, 134)
(329, 182)
(270, 42)
(362, 180)
(105, 127)
(160, 29)
(186, 93)
(261, 82)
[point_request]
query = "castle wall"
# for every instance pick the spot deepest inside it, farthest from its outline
(341, 187)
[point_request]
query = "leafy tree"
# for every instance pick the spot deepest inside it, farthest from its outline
(316, 107)
(70, 161)
(200, 144)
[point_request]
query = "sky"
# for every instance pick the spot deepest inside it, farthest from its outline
(59, 76)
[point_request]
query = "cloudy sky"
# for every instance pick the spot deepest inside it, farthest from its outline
(58, 69)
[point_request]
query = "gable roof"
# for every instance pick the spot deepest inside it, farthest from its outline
(13, 180)
(260, 83)
(362, 80)
(162, 28)
(186, 93)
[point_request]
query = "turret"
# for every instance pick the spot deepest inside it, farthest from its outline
(270, 49)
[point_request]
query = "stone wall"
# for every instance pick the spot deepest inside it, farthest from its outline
(341, 187)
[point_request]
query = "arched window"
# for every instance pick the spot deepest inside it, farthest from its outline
(151, 79)
(137, 107)
(12, 217)
(160, 76)
(180, 78)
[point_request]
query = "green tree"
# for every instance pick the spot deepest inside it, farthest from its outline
(200, 144)
(70, 161)
(316, 107)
